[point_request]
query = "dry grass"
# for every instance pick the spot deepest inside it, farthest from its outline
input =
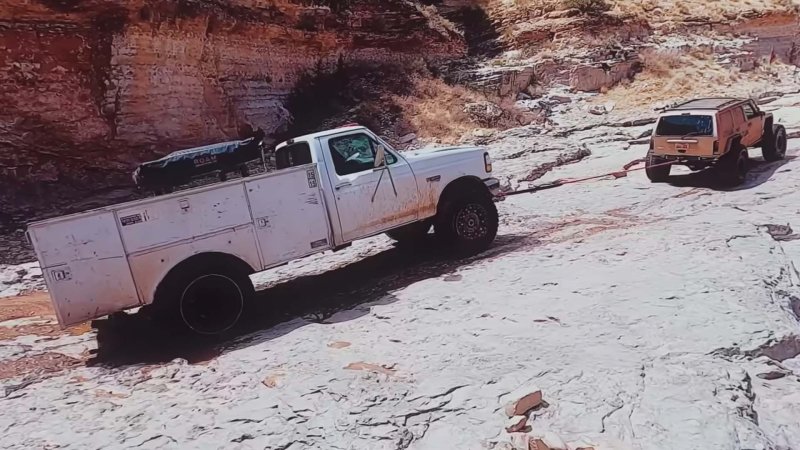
(436, 109)
(718, 10)
(650, 10)
(435, 112)
(671, 76)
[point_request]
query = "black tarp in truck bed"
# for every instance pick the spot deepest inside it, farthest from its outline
(180, 167)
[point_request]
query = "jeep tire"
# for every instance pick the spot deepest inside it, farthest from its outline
(467, 222)
(657, 174)
(774, 143)
(733, 166)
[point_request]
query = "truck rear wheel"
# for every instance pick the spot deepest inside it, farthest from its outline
(774, 146)
(734, 165)
(467, 223)
(205, 300)
(410, 234)
(656, 170)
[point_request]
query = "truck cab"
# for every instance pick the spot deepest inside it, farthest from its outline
(373, 193)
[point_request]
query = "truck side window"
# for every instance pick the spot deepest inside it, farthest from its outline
(293, 155)
(354, 153)
(749, 111)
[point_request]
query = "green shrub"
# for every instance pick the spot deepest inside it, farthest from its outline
(587, 6)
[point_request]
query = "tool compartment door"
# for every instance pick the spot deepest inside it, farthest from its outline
(289, 214)
(84, 266)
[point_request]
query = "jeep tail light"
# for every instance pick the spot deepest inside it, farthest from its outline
(716, 147)
(487, 162)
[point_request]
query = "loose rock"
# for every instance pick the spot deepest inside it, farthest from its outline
(525, 404)
(518, 424)
(773, 375)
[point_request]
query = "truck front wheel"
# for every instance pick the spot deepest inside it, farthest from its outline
(774, 146)
(467, 223)
(206, 300)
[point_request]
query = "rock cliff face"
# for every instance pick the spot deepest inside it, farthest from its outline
(89, 87)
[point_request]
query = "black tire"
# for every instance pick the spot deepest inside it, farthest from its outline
(467, 223)
(734, 165)
(774, 146)
(207, 300)
(657, 174)
(411, 234)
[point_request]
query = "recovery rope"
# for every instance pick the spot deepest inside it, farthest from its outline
(564, 181)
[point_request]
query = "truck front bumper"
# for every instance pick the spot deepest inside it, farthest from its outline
(493, 184)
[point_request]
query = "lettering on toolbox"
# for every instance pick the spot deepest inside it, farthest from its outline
(133, 219)
(319, 243)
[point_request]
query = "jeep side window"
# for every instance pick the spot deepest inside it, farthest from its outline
(749, 111)
(355, 153)
(738, 116)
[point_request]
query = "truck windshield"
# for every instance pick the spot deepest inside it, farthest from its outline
(685, 125)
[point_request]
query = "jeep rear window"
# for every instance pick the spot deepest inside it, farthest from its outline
(685, 125)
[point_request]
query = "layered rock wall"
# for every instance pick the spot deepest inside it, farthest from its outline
(89, 88)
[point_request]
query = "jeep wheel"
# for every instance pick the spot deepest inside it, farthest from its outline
(411, 234)
(659, 173)
(734, 166)
(774, 147)
(468, 223)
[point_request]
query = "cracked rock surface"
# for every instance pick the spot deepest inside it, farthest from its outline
(645, 313)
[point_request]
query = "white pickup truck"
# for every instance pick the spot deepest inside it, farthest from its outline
(189, 254)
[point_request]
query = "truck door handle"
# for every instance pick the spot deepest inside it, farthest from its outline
(341, 185)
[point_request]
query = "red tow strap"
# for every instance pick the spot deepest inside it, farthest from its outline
(561, 182)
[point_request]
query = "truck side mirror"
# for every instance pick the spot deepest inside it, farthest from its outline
(380, 156)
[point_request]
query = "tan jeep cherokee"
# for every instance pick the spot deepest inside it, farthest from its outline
(713, 132)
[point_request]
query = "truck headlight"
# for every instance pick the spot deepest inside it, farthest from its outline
(487, 162)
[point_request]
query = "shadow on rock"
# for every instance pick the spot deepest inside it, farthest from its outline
(760, 172)
(338, 295)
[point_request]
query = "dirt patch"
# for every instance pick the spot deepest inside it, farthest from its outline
(44, 330)
(33, 305)
(384, 369)
(36, 305)
(41, 365)
(581, 226)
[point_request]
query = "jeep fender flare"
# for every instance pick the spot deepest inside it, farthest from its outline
(769, 120)
(729, 144)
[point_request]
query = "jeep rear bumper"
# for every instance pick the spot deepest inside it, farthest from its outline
(691, 159)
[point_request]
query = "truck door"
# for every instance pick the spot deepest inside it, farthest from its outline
(753, 126)
(366, 200)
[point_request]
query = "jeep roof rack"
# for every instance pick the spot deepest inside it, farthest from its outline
(706, 103)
